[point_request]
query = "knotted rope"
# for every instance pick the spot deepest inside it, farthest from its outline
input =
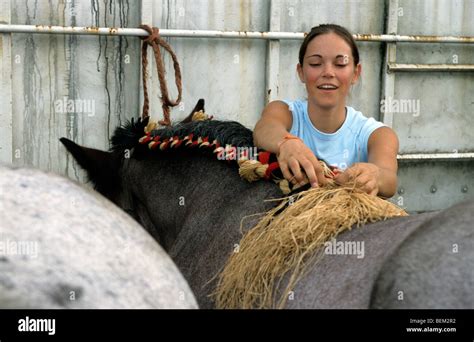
(155, 41)
(266, 167)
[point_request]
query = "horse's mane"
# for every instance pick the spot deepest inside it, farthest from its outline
(225, 132)
(214, 136)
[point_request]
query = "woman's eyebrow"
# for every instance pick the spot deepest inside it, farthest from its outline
(345, 59)
(338, 56)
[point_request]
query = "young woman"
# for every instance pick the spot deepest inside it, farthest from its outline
(323, 127)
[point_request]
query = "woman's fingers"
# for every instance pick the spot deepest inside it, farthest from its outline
(345, 177)
(374, 191)
(369, 187)
(286, 173)
(321, 178)
(310, 171)
(296, 170)
(362, 179)
(299, 168)
(366, 181)
(304, 167)
(299, 165)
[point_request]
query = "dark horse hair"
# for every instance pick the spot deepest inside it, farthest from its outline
(225, 132)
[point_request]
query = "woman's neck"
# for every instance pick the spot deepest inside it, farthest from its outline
(327, 120)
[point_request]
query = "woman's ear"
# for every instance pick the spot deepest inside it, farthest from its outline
(299, 69)
(357, 72)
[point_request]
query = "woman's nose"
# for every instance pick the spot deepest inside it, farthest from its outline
(328, 71)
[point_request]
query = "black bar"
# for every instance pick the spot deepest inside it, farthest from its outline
(159, 325)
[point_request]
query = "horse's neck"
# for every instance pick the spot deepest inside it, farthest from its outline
(173, 189)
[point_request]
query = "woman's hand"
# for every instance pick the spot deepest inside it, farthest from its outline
(365, 175)
(294, 157)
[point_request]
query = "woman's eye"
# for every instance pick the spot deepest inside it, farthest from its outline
(341, 65)
(315, 64)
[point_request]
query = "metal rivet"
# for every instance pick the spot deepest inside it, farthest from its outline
(433, 189)
(401, 191)
(464, 188)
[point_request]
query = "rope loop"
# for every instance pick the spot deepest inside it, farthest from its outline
(155, 41)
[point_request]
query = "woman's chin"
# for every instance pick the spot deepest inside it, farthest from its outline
(326, 103)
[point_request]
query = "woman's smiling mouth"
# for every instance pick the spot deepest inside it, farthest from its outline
(327, 86)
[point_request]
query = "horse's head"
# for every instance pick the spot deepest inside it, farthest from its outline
(102, 167)
(103, 170)
(113, 173)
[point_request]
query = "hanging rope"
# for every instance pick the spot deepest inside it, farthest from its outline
(155, 41)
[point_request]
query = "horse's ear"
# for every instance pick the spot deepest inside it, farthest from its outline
(199, 106)
(102, 167)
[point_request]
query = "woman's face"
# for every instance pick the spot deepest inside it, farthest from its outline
(328, 70)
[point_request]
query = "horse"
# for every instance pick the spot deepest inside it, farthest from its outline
(66, 247)
(197, 207)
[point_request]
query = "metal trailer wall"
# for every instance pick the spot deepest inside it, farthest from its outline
(99, 74)
(238, 76)
(445, 123)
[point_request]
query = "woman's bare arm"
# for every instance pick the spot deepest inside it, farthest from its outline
(272, 127)
(293, 155)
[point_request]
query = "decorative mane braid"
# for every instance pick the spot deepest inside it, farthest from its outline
(227, 140)
(225, 132)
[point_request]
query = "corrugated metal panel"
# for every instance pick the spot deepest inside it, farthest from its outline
(98, 74)
(443, 122)
(426, 186)
(228, 74)
(6, 117)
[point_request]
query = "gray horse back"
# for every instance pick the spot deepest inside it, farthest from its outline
(66, 247)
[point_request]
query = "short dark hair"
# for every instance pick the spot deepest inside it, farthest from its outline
(329, 28)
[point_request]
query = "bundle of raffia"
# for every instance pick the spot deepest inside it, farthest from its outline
(275, 254)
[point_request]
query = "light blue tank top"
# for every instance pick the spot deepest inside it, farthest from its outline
(346, 146)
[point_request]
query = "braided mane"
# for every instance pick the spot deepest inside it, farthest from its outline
(223, 132)
(226, 140)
